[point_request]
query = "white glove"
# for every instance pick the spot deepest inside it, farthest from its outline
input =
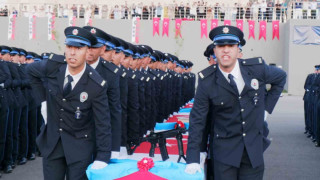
(123, 153)
(115, 154)
(203, 157)
(265, 115)
(192, 168)
(2, 85)
(44, 111)
(99, 165)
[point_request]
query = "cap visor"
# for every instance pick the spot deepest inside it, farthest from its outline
(97, 45)
(75, 44)
(226, 42)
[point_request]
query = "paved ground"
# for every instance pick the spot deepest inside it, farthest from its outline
(290, 156)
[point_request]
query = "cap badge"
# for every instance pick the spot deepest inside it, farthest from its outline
(75, 32)
(93, 31)
(225, 30)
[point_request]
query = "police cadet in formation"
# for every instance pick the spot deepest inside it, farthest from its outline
(312, 106)
(78, 114)
(234, 90)
(107, 71)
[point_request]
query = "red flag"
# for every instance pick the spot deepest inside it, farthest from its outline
(156, 26)
(263, 30)
(165, 27)
(204, 32)
(227, 22)
(275, 29)
(178, 27)
(214, 23)
(240, 24)
(251, 29)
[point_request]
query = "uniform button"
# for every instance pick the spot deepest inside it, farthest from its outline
(243, 123)
(239, 97)
(90, 73)
(221, 103)
(61, 109)
(60, 130)
(244, 134)
(61, 120)
(256, 94)
(217, 135)
(64, 100)
(242, 110)
(86, 136)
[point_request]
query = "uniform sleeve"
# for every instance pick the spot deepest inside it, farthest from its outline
(101, 116)
(277, 78)
(36, 72)
(115, 112)
(6, 71)
(197, 123)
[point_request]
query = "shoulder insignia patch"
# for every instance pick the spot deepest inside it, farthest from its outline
(116, 70)
(134, 76)
(252, 61)
(207, 71)
(103, 83)
(124, 74)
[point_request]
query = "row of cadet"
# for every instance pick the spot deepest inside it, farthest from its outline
(20, 116)
(145, 86)
(312, 106)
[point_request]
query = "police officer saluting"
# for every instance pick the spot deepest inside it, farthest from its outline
(77, 131)
(235, 90)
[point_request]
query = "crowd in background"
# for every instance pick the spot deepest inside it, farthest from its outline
(256, 10)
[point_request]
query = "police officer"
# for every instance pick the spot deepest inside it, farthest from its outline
(77, 129)
(32, 115)
(236, 90)
(108, 71)
(133, 120)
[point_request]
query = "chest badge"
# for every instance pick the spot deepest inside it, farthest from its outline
(83, 96)
(255, 84)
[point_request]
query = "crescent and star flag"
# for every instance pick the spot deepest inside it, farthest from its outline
(156, 26)
(263, 30)
(251, 29)
(203, 23)
(275, 29)
(165, 27)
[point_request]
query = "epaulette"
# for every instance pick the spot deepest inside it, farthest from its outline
(57, 58)
(131, 74)
(97, 78)
(251, 61)
(124, 73)
(112, 67)
(207, 71)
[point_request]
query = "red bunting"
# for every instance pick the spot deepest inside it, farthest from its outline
(251, 29)
(227, 22)
(165, 27)
(275, 29)
(156, 26)
(214, 23)
(263, 30)
(203, 23)
(178, 28)
(240, 24)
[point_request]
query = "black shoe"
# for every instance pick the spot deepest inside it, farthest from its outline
(13, 165)
(32, 157)
(7, 169)
(22, 161)
(317, 144)
(309, 136)
(306, 132)
(0, 175)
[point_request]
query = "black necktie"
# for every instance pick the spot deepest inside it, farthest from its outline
(67, 88)
(233, 83)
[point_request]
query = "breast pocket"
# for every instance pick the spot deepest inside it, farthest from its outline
(222, 102)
